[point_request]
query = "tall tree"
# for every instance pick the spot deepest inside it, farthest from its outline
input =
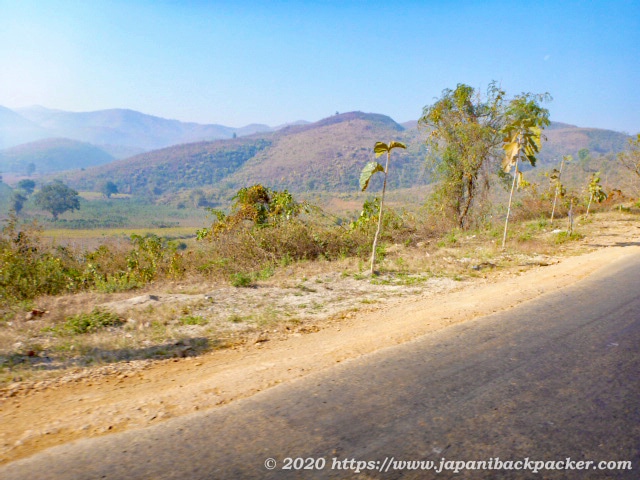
(595, 191)
(370, 168)
(525, 119)
(464, 139)
(108, 188)
(57, 198)
(556, 182)
(17, 201)
(27, 185)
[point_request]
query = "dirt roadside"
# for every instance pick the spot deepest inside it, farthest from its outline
(149, 393)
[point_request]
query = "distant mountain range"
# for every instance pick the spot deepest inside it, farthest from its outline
(128, 128)
(16, 129)
(120, 133)
(323, 156)
(144, 154)
(326, 155)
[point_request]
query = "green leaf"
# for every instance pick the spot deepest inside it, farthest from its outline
(393, 145)
(380, 148)
(367, 172)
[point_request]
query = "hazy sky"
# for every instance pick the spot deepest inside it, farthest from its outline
(240, 62)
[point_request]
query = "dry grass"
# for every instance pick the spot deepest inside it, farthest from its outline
(196, 314)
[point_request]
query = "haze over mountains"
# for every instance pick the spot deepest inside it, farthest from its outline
(121, 127)
(119, 133)
(52, 155)
(112, 134)
(159, 156)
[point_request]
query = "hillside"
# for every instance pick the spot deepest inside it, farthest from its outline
(563, 139)
(52, 155)
(174, 168)
(327, 155)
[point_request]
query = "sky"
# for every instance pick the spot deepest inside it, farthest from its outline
(240, 62)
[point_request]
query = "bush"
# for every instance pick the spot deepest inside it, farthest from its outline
(266, 229)
(193, 320)
(118, 269)
(89, 322)
(564, 237)
(29, 268)
(241, 280)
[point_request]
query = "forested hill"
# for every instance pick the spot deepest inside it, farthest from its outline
(174, 168)
(563, 139)
(325, 156)
(329, 155)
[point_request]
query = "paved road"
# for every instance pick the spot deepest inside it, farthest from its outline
(555, 378)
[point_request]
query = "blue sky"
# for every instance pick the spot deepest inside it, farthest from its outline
(273, 62)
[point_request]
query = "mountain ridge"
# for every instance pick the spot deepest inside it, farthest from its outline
(118, 127)
(327, 155)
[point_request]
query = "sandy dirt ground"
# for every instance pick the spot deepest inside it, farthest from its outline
(140, 394)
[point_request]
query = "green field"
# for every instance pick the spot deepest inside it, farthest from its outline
(121, 212)
(60, 234)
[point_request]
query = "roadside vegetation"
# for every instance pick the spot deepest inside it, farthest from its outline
(246, 282)
(273, 265)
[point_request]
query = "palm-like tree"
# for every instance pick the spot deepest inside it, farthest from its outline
(367, 172)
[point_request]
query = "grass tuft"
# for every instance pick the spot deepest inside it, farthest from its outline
(89, 322)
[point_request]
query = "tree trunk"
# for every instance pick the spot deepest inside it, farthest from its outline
(555, 198)
(506, 223)
(375, 238)
(571, 219)
(467, 204)
(558, 187)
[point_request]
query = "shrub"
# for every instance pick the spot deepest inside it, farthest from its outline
(241, 280)
(563, 237)
(117, 269)
(29, 268)
(193, 320)
(268, 228)
(89, 322)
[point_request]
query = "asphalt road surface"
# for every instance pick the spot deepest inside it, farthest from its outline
(557, 378)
